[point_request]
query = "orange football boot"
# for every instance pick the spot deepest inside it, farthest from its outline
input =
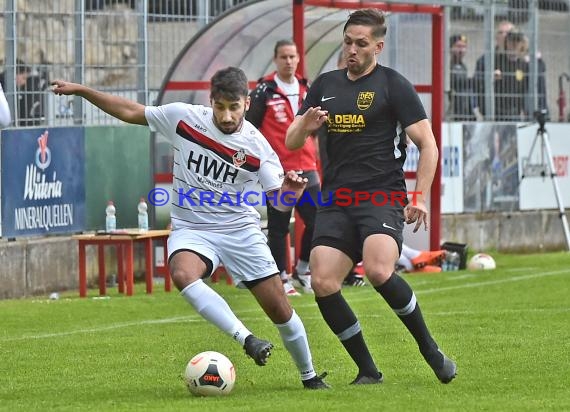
(428, 258)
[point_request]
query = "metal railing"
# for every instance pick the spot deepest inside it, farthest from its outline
(128, 46)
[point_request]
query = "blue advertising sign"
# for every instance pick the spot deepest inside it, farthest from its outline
(43, 181)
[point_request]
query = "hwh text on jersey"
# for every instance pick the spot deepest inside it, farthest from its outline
(210, 167)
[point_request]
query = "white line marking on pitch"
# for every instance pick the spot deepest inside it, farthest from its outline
(195, 318)
(459, 277)
(494, 282)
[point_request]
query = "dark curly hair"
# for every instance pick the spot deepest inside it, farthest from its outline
(229, 83)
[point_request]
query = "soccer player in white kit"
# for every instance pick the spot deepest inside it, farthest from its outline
(219, 161)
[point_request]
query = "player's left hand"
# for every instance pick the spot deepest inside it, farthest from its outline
(416, 212)
(293, 182)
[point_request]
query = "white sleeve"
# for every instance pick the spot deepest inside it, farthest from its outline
(164, 119)
(5, 117)
(270, 170)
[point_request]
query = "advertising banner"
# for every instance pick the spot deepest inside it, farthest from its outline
(490, 167)
(43, 181)
(451, 156)
(537, 186)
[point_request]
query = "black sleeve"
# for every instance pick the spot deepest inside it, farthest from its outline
(406, 103)
(257, 106)
(312, 98)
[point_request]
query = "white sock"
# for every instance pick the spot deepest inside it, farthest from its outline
(302, 267)
(295, 340)
(409, 252)
(215, 310)
(284, 276)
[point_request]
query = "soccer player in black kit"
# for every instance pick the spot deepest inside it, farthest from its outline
(367, 110)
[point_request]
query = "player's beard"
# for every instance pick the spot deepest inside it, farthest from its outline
(358, 67)
(228, 127)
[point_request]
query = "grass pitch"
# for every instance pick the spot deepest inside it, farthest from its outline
(508, 330)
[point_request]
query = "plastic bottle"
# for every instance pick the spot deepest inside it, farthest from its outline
(451, 262)
(110, 219)
(456, 260)
(143, 215)
(445, 263)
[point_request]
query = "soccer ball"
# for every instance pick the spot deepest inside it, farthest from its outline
(481, 261)
(210, 374)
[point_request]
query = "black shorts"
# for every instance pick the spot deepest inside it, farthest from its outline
(346, 227)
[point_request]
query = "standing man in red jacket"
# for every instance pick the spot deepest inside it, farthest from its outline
(274, 104)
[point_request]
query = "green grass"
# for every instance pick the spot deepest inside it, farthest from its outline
(508, 330)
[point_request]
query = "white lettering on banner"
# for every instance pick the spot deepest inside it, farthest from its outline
(37, 188)
(43, 217)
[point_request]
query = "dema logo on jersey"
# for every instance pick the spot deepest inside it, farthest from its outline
(364, 100)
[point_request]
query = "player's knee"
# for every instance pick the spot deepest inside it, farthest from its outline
(378, 274)
(280, 311)
(181, 277)
(324, 285)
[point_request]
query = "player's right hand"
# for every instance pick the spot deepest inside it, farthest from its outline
(314, 118)
(60, 87)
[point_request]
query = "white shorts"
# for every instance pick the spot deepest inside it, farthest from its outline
(243, 252)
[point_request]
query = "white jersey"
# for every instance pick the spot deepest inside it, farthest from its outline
(217, 176)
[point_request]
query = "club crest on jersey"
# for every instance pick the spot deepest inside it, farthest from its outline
(364, 100)
(239, 158)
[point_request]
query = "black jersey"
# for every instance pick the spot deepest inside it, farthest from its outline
(363, 144)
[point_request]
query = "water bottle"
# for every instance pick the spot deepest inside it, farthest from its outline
(143, 215)
(445, 262)
(451, 262)
(455, 261)
(111, 219)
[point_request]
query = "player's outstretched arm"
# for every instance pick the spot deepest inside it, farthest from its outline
(118, 107)
(291, 190)
(303, 126)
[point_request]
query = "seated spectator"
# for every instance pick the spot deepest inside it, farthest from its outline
(411, 260)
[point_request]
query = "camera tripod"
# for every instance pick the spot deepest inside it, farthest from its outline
(545, 168)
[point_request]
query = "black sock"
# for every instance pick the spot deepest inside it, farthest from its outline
(342, 321)
(402, 300)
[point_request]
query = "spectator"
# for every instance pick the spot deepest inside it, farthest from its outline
(30, 99)
(511, 80)
(479, 76)
(274, 104)
(541, 103)
(463, 104)
(414, 260)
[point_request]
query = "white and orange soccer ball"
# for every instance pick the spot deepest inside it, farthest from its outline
(210, 374)
(481, 261)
